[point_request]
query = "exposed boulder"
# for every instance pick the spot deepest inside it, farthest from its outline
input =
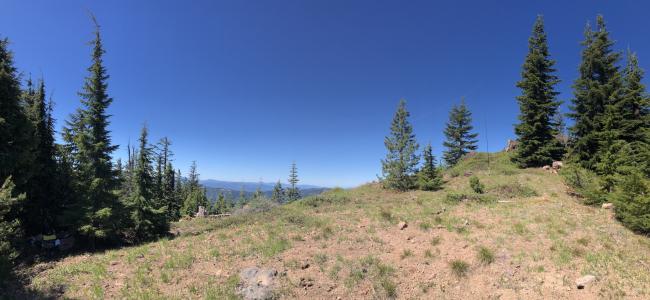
(257, 283)
(557, 165)
(584, 281)
(546, 168)
(608, 205)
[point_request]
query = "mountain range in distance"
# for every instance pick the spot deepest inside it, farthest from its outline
(232, 189)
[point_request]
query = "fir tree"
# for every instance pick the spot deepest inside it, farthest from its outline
(16, 147)
(632, 203)
(43, 204)
(242, 197)
(429, 178)
(597, 87)
(460, 139)
(89, 141)
(278, 193)
(10, 231)
(148, 217)
(538, 143)
(293, 192)
(222, 206)
(398, 168)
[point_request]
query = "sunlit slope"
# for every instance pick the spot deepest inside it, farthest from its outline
(524, 238)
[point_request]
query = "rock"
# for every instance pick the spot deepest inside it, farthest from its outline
(546, 168)
(511, 145)
(584, 281)
(402, 225)
(608, 205)
(468, 174)
(304, 265)
(257, 283)
(201, 212)
(557, 165)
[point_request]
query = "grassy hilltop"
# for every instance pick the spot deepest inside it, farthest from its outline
(525, 237)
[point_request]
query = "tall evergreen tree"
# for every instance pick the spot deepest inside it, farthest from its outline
(43, 206)
(399, 166)
(293, 192)
(538, 143)
(429, 178)
(89, 141)
(460, 139)
(16, 147)
(148, 218)
(278, 193)
(597, 87)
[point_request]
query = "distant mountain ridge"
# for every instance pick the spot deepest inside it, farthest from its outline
(250, 186)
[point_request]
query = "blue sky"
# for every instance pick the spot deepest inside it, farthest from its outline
(246, 87)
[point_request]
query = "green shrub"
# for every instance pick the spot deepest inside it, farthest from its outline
(9, 228)
(476, 185)
(632, 203)
(584, 183)
(333, 197)
(479, 198)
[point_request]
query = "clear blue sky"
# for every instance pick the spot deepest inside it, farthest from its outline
(247, 87)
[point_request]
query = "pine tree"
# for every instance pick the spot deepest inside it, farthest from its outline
(460, 140)
(10, 229)
(538, 143)
(398, 168)
(16, 147)
(242, 197)
(429, 178)
(148, 217)
(278, 193)
(90, 145)
(221, 205)
(597, 87)
(194, 194)
(293, 192)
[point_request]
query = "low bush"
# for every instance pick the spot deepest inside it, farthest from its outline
(476, 185)
(584, 183)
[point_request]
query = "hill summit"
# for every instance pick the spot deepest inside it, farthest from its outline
(523, 237)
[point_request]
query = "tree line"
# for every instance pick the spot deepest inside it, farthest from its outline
(76, 186)
(608, 144)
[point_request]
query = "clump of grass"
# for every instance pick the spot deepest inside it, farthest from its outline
(428, 253)
(179, 260)
(519, 228)
(476, 185)
(435, 241)
(485, 255)
(386, 215)
(406, 253)
(459, 267)
(425, 226)
(379, 274)
(583, 241)
(320, 258)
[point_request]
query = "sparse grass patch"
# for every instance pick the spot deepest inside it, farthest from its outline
(379, 274)
(179, 260)
(513, 190)
(386, 215)
(406, 253)
(435, 241)
(428, 253)
(425, 226)
(519, 228)
(485, 255)
(459, 267)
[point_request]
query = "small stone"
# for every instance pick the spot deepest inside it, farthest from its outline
(546, 168)
(305, 265)
(608, 205)
(584, 281)
(402, 225)
(306, 282)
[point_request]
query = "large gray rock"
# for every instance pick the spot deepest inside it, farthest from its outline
(257, 283)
